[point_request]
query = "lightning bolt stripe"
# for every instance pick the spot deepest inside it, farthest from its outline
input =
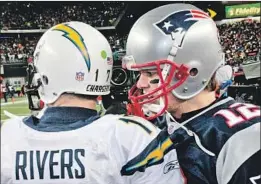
(76, 38)
(155, 156)
(148, 158)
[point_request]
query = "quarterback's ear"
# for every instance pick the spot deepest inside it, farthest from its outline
(212, 84)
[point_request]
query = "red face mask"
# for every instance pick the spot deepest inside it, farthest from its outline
(138, 99)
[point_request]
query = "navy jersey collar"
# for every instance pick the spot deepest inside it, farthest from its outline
(57, 119)
(188, 115)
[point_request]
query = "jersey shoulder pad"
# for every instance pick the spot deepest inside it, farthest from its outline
(131, 122)
(11, 127)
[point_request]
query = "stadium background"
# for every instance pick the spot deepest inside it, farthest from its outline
(23, 23)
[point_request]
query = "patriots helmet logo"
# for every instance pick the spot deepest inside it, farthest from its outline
(177, 24)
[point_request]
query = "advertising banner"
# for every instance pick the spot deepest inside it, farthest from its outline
(243, 10)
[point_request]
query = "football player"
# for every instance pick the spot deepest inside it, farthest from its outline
(70, 143)
(217, 140)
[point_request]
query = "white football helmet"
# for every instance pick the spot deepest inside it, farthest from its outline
(72, 57)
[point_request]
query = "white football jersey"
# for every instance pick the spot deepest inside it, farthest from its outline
(93, 154)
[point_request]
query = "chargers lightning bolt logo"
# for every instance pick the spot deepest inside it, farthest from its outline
(75, 37)
(153, 154)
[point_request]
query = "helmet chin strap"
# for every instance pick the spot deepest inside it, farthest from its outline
(151, 109)
(173, 125)
(164, 73)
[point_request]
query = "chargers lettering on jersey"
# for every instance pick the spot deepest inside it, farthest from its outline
(31, 165)
(98, 88)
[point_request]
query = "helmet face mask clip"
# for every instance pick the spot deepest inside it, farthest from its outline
(31, 88)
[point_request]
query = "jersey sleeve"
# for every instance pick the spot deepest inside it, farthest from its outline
(9, 130)
(240, 157)
(139, 148)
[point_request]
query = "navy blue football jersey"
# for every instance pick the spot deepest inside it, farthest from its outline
(219, 144)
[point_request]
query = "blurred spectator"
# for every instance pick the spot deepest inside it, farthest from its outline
(17, 49)
(117, 41)
(3, 89)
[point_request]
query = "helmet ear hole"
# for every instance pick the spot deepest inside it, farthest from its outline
(45, 79)
(193, 72)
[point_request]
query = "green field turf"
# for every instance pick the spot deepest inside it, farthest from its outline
(19, 107)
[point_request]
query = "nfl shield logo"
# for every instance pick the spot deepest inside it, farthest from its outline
(109, 61)
(79, 76)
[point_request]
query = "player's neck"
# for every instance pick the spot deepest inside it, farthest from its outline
(74, 102)
(200, 101)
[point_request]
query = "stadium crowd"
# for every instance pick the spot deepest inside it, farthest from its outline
(13, 49)
(241, 41)
(40, 15)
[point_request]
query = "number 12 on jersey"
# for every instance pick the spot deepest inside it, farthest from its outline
(243, 112)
